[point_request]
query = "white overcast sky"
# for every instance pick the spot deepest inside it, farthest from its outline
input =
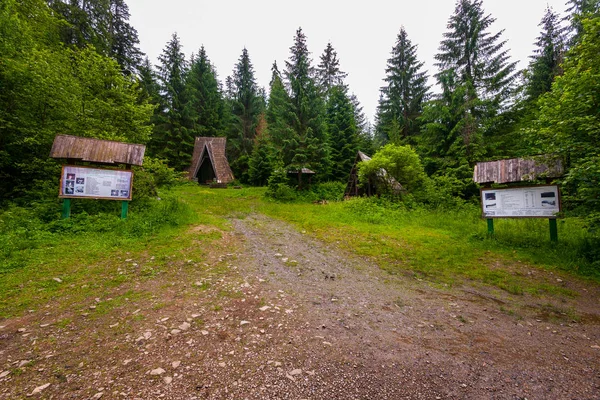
(362, 33)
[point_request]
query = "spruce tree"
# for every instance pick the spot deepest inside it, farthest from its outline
(172, 139)
(205, 107)
(278, 115)
(577, 11)
(548, 56)
(343, 134)
(124, 42)
(483, 72)
(103, 24)
(246, 107)
(328, 71)
(307, 112)
(363, 126)
(261, 162)
(401, 100)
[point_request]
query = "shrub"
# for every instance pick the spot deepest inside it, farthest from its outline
(278, 185)
(330, 191)
(392, 161)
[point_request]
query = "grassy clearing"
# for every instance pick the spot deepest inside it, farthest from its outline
(92, 256)
(444, 246)
(69, 262)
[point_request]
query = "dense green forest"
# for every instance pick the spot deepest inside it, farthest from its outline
(75, 67)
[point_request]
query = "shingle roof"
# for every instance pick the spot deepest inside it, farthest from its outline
(215, 146)
(97, 150)
(517, 170)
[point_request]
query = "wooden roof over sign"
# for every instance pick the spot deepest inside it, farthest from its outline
(97, 150)
(517, 170)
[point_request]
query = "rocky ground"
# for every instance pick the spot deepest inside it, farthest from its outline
(293, 318)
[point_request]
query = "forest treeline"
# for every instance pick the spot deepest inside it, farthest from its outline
(75, 67)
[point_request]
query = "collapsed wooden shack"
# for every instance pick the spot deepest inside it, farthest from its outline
(517, 170)
(209, 162)
(82, 149)
(356, 188)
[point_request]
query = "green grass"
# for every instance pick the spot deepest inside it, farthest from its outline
(447, 247)
(442, 246)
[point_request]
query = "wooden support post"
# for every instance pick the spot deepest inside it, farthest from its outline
(553, 230)
(490, 224)
(124, 209)
(66, 208)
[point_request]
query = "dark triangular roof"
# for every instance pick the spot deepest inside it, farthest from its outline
(215, 147)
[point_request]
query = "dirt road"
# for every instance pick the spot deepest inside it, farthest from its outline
(294, 318)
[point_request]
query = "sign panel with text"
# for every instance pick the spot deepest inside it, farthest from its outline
(95, 183)
(521, 202)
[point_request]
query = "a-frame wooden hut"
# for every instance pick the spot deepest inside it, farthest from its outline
(353, 188)
(209, 161)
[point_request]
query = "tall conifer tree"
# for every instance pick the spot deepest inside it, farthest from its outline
(328, 71)
(401, 100)
(342, 131)
(307, 111)
(205, 107)
(482, 70)
(103, 24)
(548, 55)
(363, 126)
(261, 162)
(172, 138)
(246, 107)
(278, 115)
(578, 10)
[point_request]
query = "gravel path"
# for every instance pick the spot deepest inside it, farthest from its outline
(294, 318)
(371, 335)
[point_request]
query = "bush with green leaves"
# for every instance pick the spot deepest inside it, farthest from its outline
(278, 184)
(401, 163)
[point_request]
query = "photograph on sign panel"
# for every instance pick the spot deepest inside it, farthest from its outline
(80, 181)
(490, 196)
(71, 176)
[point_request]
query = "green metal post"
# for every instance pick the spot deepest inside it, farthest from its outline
(66, 208)
(553, 230)
(490, 223)
(124, 209)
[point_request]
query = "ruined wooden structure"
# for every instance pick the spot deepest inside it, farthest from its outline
(353, 188)
(356, 188)
(209, 162)
(517, 170)
(81, 149)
